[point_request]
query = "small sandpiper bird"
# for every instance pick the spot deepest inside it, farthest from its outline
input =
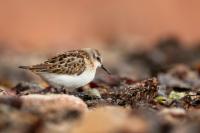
(70, 70)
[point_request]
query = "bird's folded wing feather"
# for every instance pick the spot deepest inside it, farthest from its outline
(61, 64)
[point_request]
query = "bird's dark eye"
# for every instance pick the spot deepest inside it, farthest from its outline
(98, 59)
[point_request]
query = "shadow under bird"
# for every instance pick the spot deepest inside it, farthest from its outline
(70, 70)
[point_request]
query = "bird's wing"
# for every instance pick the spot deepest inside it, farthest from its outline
(71, 63)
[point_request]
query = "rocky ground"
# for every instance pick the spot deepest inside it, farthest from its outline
(155, 91)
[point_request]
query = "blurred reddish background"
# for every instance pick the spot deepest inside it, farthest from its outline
(35, 25)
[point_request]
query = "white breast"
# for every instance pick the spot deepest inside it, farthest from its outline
(69, 81)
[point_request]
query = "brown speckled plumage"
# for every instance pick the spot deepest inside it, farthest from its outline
(70, 63)
(70, 70)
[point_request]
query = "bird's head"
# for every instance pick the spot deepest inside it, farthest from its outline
(97, 58)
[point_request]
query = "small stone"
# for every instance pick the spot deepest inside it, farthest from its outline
(53, 102)
(93, 93)
(111, 120)
(173, 115)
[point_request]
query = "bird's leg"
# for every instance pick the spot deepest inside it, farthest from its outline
(45, 90)
(60, 89)
(76, 91)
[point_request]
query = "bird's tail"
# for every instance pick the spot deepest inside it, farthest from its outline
(24, 67)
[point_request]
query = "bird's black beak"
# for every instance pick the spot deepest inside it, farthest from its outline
(105, 69)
